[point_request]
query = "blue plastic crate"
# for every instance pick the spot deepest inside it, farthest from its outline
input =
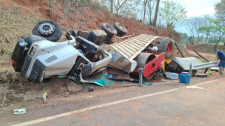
(185, 78)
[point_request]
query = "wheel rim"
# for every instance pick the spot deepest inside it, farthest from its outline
(46, 29)
(109, 28)
(122, 27)
(169, 48)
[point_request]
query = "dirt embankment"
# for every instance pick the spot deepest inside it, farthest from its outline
(206, 48)
(82, 15)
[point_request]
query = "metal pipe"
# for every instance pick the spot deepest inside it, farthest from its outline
(179, 49)
(201, 55)
(141, 71)
(190, 70)
(206, 70)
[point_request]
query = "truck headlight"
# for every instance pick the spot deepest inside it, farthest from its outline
(32, 51)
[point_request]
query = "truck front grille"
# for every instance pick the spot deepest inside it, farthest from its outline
(26, 65)
(36, 71)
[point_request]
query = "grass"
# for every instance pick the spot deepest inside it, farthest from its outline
(7, 78)
(13, 25)
(220, 43)
(71, 7)
(202, 60)
(210, 59)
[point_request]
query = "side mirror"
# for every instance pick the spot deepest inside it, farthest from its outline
(69, 34)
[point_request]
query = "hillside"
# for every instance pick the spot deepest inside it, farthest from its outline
(85, 15)
(18, 17)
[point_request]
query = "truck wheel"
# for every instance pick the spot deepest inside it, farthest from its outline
(49, 30)
(166, 46)
(121, 30)
(110, 30)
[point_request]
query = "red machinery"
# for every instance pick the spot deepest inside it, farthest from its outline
(150, 62)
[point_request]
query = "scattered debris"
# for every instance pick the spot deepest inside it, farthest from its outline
(103, 81)
(44, 97)
(215, 69)
(185, 77)
(179, 65)
(19, 111)
(171, 75)
(90, 89)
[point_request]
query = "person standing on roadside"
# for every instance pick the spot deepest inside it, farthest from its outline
(220, 56)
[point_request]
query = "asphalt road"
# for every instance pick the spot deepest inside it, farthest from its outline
(165, 103)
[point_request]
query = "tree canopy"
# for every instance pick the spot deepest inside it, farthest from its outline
(220, 10)
(172, 13)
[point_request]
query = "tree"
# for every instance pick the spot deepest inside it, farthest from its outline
(145, 4)
(191, 30)
(125, 8)
(206, 32)
(217, 27)
(193, 24)
(151, 5)
(119, 4)
(156, 13)
(220, 10)
(172, 13)
(111, 6)
(184, 37)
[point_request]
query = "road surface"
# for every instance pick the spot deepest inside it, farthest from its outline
(165, 103)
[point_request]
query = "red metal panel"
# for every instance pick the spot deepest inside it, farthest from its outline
(153, 65)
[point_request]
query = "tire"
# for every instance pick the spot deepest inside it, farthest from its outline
(194, 72)
(110, 30)
(201, 75)
(166, 46)
(49, 30)
(121, 30)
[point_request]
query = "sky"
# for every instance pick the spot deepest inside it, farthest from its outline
(196, 8)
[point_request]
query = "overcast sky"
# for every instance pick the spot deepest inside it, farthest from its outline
(196, 8)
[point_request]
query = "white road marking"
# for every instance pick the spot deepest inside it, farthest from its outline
(195, 87)
(103, 105)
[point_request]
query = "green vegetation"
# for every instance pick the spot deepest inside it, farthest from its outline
(172, 13)
(220, 10)
(216, 27)
(205, 29)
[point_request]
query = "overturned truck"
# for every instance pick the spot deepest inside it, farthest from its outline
(41, 59)
(38, 57)
(141, 51)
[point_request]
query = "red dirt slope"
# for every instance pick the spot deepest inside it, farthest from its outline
(82, 16)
